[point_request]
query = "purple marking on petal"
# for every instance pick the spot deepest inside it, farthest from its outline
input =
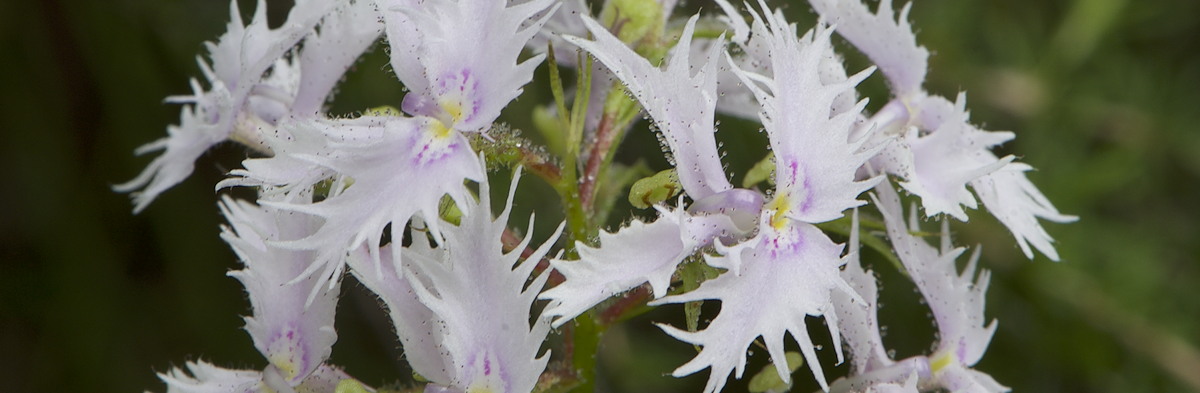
(464, 85)
(487, 367)
(803, 199)
(962, 350)
(417, 104)
(431, 147)
(785, 242)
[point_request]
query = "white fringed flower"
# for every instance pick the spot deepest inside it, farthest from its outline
(815, 159)
(238, 61)
(202, 377)
(458, 58)
(394, 168)
(479, 304)
(939, 151)
(886, 39)
(682, 106)
(637, 254)
(785, 274)
(294, 337)
(790, 269)
(955, 299)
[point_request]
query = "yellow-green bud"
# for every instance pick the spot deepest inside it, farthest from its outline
(654, 189)
(634, 20)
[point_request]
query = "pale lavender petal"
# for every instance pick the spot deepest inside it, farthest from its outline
(286, 177)
(239, 58)
(682, 104)
(637, 254)
(563, 22)
(468, 56)
(421, 333)
(207, 378)
(887, 39)
(956, 300)
(859, 322)
(480, 294)
(344, 35)
(202, 377)
(1018, 204)
(959, 379)
(398, 168)
(294, 337)
(815, 159)
(754, 56)
(404, 41)
(785, 276)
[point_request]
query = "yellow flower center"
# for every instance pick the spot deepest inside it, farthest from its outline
(941, 361)
(452, 107)
(780, 206)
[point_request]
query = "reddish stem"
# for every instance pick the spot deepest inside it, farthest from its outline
(538, 165)
(605, 133)
(509, 241)
(636, 297)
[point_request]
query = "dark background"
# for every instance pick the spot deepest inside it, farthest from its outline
(1103, 95)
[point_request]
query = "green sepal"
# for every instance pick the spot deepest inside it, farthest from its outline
(763, 170)
(768, 379)
(449, 211)
(548, 125)
(385, 110)
(636, 21)
(350, 386)
(654, 189)
(691, 275)
(618, 178)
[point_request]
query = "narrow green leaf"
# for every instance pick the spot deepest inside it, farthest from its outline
(768, 379)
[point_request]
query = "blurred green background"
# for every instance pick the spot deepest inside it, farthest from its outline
(1104, 96)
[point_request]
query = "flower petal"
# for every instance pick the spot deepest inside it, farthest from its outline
(889, 43)
(956, 300)
(637, 254)
(1018, 204)
(815, 159)
(785, 276)
(682, 104)
(480, 294)
(399, 167)
(859, 322)
(207, 378)
(238, 61)
(421, 333)
(327, 54)
(468, 56)
(293, 337)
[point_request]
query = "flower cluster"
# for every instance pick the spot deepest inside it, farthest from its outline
(401, 198)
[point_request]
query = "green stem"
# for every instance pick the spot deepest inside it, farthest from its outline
(587, 344)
